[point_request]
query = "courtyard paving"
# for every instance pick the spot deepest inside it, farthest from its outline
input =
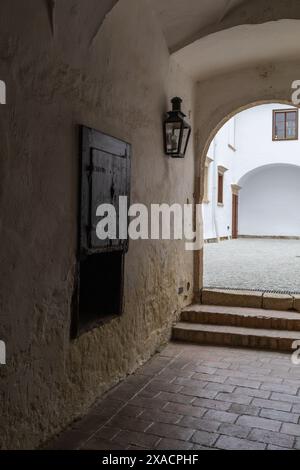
(192, 397)
(263, 264)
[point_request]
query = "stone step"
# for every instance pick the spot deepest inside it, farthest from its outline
(220, 335)
(250, 299)
(242, 317)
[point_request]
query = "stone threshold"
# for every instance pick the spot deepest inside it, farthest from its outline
(224, 335)
(250, 299)
(217, 240)
(242, 317)
(268, 237)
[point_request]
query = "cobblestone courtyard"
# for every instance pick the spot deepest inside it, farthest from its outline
(253, 264)
(192, 397)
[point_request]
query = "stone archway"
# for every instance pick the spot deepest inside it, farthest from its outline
(224, 96)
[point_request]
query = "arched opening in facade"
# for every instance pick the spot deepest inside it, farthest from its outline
(251, 226)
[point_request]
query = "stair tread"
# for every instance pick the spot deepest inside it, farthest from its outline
(243, 311)
(238, 330)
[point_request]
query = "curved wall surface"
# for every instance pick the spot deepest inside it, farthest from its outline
(270, 201)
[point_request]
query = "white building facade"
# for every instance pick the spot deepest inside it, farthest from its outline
(252, 176)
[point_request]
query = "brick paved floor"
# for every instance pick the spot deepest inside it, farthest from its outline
(197, 397)
(253, 264)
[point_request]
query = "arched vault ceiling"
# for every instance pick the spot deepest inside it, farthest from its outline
(240, 47)
(185, 21)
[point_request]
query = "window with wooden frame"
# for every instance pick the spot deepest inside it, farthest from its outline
(285, 124)
(221, 171)
(220, 188)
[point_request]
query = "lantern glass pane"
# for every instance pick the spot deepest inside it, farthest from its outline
(185, 136)
(173, 130)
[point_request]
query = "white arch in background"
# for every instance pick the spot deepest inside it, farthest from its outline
(269, 201)
(243, 179)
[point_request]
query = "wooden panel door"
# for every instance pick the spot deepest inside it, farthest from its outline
(235, 216)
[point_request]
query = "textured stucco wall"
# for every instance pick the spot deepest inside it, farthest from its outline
(62, 69)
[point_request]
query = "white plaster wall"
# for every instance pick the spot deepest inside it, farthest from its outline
(254, 143)
(216, 218)
(270, 201)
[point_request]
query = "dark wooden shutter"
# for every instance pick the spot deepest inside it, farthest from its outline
(235, 215)
(220, 188)
(105, 177)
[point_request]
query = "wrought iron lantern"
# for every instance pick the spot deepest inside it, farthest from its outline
(176, 131)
